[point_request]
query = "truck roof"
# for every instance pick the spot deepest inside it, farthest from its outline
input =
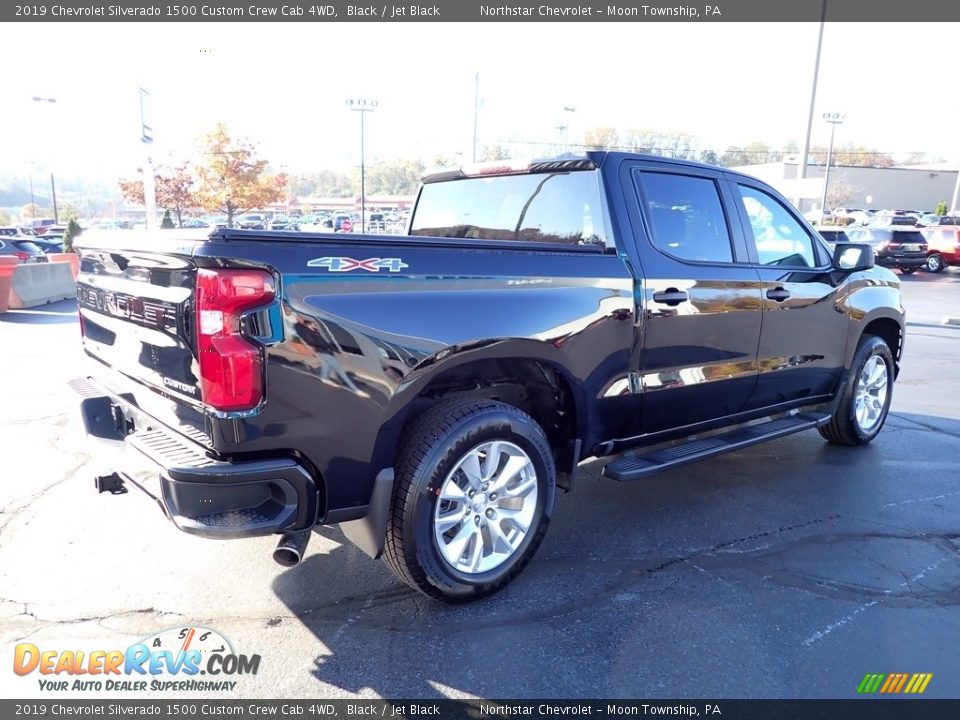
(589, 160)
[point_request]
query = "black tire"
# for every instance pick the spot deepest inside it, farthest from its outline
(843, 428)
(934, 263)
(908, 271)
(430, 449)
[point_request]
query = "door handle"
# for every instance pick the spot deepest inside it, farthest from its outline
(670, 296)
(778, 294)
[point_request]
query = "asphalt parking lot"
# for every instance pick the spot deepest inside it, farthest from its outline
(790, 569)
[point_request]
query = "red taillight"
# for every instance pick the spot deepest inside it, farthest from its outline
(22, 255)
(231, 371)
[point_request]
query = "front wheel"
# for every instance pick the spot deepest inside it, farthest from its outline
(865, 396)
(934, 263)
(472, 498)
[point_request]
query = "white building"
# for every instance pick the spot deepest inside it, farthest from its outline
(909, 187)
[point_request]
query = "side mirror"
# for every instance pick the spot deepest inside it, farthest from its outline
(852, 257)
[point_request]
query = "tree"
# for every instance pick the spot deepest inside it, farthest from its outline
(167, 222)
(709, 157)
(400, 177)
(29, 212)
(754, 153)
(174, 189)
(851, 155)
(654, 142)
(601, 138)
(841, 194)
(68, 212)
(232, 180)
(941, 208)
(493, 152)
(72, 231)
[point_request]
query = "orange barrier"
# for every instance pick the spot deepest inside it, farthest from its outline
(40, 283)
(7, 265)
(71, 258)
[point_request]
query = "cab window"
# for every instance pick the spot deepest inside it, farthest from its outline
(779, 238)
(685, 217)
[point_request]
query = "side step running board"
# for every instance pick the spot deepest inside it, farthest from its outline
(636, 465)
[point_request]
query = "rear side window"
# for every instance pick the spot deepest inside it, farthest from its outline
(779, 238)
(27, 246)
(563, 207)
(685, 216)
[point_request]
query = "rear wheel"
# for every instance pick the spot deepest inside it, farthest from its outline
(474, 489)
(934, 263)
(865, 396)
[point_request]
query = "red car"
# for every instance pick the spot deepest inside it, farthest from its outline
(943, 247)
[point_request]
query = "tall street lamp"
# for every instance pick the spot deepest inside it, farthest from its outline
(362, 106)
(834, 119)
(53, 186)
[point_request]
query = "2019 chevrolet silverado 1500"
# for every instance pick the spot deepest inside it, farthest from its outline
(429, 392)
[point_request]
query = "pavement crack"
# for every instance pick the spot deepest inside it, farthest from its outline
(12, 510)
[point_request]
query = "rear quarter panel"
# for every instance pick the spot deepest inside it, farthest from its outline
(359, 345)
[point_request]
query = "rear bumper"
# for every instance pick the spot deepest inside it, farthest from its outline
(201, 495)
(890, 261)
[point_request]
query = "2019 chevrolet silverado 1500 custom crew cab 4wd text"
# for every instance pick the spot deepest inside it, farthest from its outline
(429, 392)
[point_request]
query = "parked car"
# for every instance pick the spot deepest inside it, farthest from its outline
(13, 242)
(49, 245)
(852, 216)
(251, 221)
(833, 235)
(891, 219)
(932, 220)
(943, 247)
(430, 393)
(284, 223)
(195, 223)
(900, 247)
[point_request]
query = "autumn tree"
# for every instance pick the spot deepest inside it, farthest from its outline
(753, 153)
(231, 179)
(175, 189)
(851, 155)
(31, 211)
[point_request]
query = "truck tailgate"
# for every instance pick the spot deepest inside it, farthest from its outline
(137, 320)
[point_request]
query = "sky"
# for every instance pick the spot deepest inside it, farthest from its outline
(284, 85)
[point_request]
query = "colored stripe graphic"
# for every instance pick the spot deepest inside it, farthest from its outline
(870, 683)
(913, 684)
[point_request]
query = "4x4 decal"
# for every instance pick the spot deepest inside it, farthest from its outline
(346, 264)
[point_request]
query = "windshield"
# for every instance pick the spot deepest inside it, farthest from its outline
(562, 207)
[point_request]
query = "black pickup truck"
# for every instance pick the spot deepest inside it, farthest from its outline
(429, 392)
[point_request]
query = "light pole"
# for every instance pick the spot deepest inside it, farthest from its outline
(149, 178)
(802, 160)
(53, 186)
(834, 119)
(33, 202)
(362, 106)
(566, 128)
